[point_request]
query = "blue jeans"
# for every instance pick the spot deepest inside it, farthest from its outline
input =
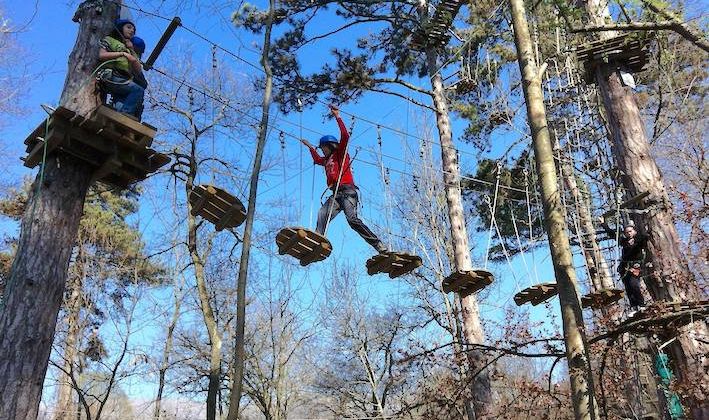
(127, 95)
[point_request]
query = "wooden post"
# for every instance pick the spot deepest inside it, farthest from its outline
(577, 355)
(671, 278)
(35, 287)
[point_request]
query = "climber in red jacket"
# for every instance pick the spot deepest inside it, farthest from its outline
(345, 198)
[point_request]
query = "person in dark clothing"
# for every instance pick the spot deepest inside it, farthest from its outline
(632, 244)
(339, 178)
(631, 281)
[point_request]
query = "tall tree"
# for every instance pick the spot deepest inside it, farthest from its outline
(577, 354)
(48, 232)
(239, 336)
(671, 278)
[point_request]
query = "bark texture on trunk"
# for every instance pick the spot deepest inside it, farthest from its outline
(49, 226)
(670, 277)
(35, 287)
(574, 330)
(472, 328)
(239, 334)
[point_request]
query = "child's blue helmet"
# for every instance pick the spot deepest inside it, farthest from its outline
(328, 139)
(138, 45)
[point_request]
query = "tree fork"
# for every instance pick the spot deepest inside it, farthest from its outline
(48, 231)
(577, 354)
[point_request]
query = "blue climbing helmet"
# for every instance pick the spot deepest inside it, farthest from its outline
(328, 139)
(138, 45)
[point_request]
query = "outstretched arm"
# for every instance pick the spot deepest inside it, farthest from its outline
(317, 159)
(344, 135)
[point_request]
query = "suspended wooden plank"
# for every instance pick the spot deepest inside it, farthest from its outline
(393, 263)
(217, 206)
(601, 298)
(303, 244)
(536, 294)
(467, 282)
(627, 51)
(105, 140)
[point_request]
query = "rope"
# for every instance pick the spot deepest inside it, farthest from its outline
(337, 185)
(492, 213)
(385, 180)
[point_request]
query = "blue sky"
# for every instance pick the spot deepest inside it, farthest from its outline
(50, 36)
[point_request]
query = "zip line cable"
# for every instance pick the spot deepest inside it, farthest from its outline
(227, 104)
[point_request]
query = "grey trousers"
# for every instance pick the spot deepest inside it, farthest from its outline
(347, 200)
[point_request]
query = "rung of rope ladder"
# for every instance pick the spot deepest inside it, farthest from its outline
(217, 206)
(536, 294)
(393, 263)
(303, 244)
(467, 282)
(601, 298)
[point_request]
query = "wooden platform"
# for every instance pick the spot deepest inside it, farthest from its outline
(627, 51)
(303, 244)
(217, 206)
(601, 298)
(467, 282)
(115, 145)
(660, 318)
(536, 294)
(434, 33)
(393, 263)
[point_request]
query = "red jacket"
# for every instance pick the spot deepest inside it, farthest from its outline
(333, 162)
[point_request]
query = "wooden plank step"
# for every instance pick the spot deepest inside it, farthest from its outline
(217, 206)
(394, 264)
(601, 298)
(536, 294)
(303, 244)
(467, 282)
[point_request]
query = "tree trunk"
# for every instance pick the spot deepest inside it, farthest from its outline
(162, 371)
(48, 232)
(670, 277)
(66, 388)
(239, 334)
(472, 327)
(205, 304)
(577, 355)
(27, 321)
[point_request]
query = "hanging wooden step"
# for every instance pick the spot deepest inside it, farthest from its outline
(217, 206)
(393, 263)
(115, 146)
(467, 282)
(601, 298)
(435, 32)
(628, 51)
(536, 294)
(303, 244)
